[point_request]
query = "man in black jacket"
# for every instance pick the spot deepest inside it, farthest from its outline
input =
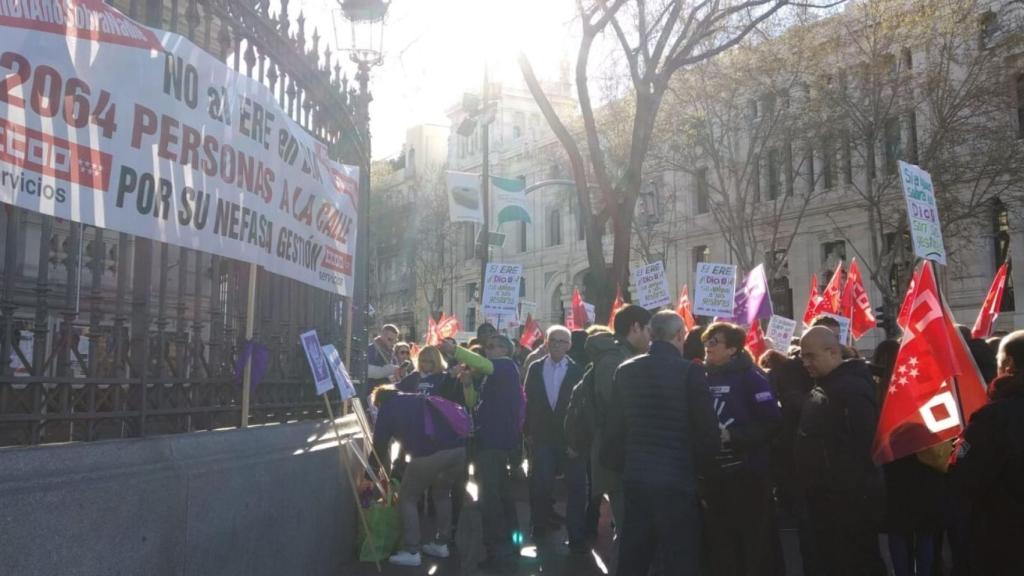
(549, 384)
(667, 423)
(832, 454)
(988, 469)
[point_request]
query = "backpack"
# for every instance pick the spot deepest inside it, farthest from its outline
(583, 414)
(453, 414)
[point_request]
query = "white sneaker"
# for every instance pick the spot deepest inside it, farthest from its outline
(436, 550)
(406, 558)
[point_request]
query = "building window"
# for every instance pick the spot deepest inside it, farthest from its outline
(908, 59)
(774, 175)
(988, 27)
(554, 227)
(892, 144)
(701, 191)
(471, 304)
(518, 122)
(847, 160)
(522, 236)
(832, 253)
(1020, 106)
(700, 254)
(1001, 224)
(828, 164)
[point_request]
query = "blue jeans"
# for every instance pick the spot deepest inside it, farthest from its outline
(908, 548)
(545, 461)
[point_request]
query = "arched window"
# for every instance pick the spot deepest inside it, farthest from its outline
(554, 227)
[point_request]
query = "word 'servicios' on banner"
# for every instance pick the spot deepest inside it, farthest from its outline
(110, 123)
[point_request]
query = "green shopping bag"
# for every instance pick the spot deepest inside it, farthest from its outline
(385, 529)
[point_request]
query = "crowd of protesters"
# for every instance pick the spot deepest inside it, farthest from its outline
(700, 450)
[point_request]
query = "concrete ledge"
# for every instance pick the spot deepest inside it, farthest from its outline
(270, 500)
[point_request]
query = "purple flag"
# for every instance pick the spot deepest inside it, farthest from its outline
(752, 299)
(260, 362)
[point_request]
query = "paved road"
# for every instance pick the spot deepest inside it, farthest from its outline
(547, 558)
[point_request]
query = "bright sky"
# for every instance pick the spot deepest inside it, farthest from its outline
(434, 50)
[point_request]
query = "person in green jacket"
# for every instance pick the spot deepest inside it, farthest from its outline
(607, 352)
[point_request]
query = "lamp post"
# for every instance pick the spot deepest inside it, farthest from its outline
(367, 23)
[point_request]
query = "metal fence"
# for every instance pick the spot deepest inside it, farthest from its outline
(108, 335)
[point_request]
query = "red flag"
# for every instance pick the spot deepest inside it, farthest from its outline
(812, 301)
(990, 309)
(619, 303)
(904, 314)
(921, 406)
(855, 303)
(432, 339)
(578, 320)
(448, 327)
(531, 332)
(831, 297)
(684, 310)
(755, 343)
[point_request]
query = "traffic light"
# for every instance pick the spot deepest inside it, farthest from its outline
(885, 321)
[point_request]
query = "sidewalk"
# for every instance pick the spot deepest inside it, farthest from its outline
(548, 558)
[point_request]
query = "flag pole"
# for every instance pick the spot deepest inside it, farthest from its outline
(945, 308)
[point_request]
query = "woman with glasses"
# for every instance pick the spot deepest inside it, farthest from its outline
(737, 488)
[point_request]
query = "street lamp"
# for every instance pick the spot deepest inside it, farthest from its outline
(367, 21)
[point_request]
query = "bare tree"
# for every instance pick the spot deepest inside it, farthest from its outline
(928, 86)
(737, 127)
(435, 238)
(654, 39)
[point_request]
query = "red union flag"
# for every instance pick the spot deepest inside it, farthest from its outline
(855, 303)
(755, 343)
(990, 309)
(812, 301)
(447, 327)
(619, 303)
(432, 339)
(578, 319)
(933, 379)
(685, 310)
(831, 297)
(531, 332)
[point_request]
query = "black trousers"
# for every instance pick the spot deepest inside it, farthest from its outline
(662, 526)
(845, 533)
(497, 508)
(740, 532)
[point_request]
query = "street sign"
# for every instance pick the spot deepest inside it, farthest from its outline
(495, 239)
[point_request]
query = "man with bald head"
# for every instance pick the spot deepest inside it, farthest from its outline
(832, 455)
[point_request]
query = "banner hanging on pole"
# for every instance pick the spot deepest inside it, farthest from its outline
(501, 291)
(187, 152)
(651, 285)
(923, 213)
(716, 289)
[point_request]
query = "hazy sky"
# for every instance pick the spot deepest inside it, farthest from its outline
(434, 50)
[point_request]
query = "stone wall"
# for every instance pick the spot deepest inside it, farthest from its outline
(270, 500)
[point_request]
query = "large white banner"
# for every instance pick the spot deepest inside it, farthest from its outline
(109, 123)
(922, 212)
(716, 290)
(464, 198)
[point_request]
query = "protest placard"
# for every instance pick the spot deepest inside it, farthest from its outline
(844, 327)
(339, 372)
(780, 332)
(317, 361)
(651, 285)
(716, 290)
(137, 130)
(501, 291)
(923, 213)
